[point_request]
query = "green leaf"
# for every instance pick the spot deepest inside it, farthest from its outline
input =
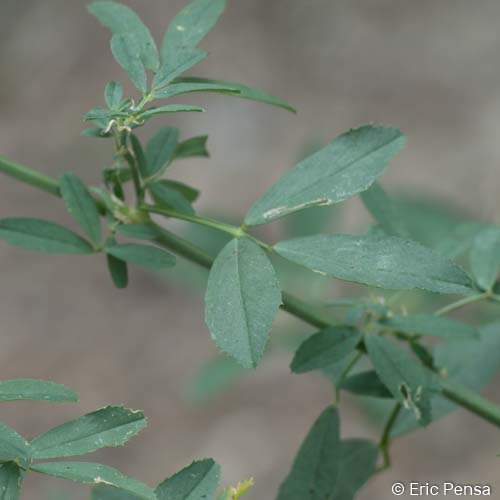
(105, 492)
(377, 260)
(139, 155)
(81, 206)
(384, 211)
(160, 151)
(118, 271)
(110, 426)
(141, 255)
(195, 482)
(366, 384)
(35, 390)
(242, 91)
(144, 231)
(325, 348)
(42, 236)
(174, 67)
(408, 381)
(127, 52)
(92, 473)
(316, 467)
(347, 166)
(166, 194)
(95, 132)
(187, 88)
(357, 465)
(196, 146)
(471, 363)
(429, 324)
(241, 301)
(485, 257)
(102, 115)
(190, 26)
(120, 19)
(113, 94)
(13, 447)
(11, 478)
(170, 108)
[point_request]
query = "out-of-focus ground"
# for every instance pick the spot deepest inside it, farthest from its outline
(430, 68)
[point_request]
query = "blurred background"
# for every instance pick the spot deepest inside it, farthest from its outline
(429, 68)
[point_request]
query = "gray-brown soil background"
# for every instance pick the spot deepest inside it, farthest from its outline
(430, 68)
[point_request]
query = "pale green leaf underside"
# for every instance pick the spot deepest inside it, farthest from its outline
(35, 390)
(110, 426)
(316, 467)
(10, 481)
(429, 324)
(92, 473)
(241, 301)
(120, 19)
(408, 381)
(42, 236)
(146, 256)
(347, 166)
(377, 260)
(325, 348)
(81, 206)
(198, 481)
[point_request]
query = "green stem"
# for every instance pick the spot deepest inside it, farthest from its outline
(125, 153)
(29, 176)
(344, 374)
(472, 401)
(195, 219)
(385, 440)
(454, 392)
(461, 303)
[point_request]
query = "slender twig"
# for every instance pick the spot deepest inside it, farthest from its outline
(461, 303)
(385, 440)
(298, 308)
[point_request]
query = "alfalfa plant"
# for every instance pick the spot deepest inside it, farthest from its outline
(243, 296)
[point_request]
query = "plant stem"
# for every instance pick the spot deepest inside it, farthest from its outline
(344, 374)
(454, 392)
(472, 401)
(29, 176)
(195, 219)
(460, 303)
(385, 440)
(125, 153)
